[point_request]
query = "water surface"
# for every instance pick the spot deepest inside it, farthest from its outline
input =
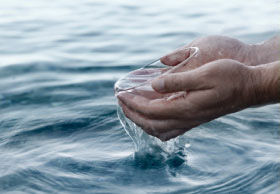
(59, 131)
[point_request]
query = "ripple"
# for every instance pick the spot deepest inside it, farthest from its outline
(59, 131)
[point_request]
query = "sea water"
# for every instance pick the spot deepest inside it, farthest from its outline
(139, 81)
(59, 127)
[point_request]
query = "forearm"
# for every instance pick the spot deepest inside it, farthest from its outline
(266, 83)
(265, 52)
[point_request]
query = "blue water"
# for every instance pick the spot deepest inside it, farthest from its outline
(59, 130)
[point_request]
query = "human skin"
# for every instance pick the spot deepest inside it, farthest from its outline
(216, 47)
(212, 90)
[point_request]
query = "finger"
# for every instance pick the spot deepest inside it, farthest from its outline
(171, 134)
(137, 119)
(175, 57)
(149, 94)
(152, 126)
(156, 109)
(175, 82)
(147, 72)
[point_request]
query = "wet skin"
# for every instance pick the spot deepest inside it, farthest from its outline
(225, 78)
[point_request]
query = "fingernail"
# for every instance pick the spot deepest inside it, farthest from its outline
(158, 84)
(120, 95)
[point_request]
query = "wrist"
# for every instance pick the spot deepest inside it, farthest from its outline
(263, 53)
(250, 56)
(265, 84)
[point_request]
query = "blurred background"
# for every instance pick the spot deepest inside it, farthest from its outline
(59, 131)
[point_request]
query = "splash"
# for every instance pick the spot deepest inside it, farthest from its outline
(151, 151)
(139, 81)
(148, 148)
(143, 141)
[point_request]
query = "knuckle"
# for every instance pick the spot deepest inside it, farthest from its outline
(178, 82)
(166, 82)
(173, 82)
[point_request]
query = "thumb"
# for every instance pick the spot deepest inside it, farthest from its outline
(175, 82)
(175, 57)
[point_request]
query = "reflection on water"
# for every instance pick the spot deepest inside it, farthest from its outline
(59, 128)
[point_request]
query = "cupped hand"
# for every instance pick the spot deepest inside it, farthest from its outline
(215, 89)
(211, 48)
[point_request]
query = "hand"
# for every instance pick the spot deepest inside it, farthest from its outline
(215, 89)
(211, 48)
